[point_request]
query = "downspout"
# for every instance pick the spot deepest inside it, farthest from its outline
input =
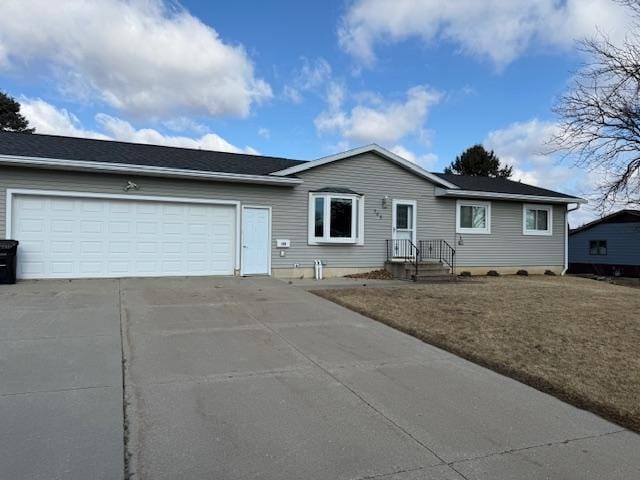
(566, 238)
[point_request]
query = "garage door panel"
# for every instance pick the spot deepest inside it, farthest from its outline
(89, 237)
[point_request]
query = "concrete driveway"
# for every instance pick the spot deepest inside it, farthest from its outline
(60, 381)
(237, 378)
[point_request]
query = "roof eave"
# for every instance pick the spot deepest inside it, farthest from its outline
(441, 192)
(383, 152)
(145, 170)
(598, 221)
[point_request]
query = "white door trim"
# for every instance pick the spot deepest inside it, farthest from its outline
(11, 192)
(413, 203)
(268, 208)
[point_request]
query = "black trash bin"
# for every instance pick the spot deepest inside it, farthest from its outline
(8, 256)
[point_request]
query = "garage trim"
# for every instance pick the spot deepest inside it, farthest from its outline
(11, 192)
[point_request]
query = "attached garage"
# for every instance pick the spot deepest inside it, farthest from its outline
(79, 235)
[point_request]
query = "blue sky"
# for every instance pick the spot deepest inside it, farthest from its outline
(304, 79)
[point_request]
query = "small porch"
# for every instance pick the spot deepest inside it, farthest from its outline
(425, 260)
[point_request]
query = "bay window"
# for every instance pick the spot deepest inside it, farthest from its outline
(473, 217)
(336, 218)
(537, 219)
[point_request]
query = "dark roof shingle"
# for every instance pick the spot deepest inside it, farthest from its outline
(498, 185)
(107, 151)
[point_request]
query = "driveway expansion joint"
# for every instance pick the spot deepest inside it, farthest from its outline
(533, 447)
(127, 474)
(58, 390)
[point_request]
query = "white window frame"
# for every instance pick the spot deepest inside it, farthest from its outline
(473, 203)
(536, 206)
(357, 219)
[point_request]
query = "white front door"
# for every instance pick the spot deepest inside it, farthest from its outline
(403, 231)
(256, 241)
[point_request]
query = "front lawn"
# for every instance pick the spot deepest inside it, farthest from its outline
(575, 338)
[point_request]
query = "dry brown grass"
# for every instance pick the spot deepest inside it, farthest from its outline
(575, 338)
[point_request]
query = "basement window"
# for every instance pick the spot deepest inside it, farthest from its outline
(336, 218)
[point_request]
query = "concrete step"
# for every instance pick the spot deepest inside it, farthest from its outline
(430, 270)
(434, 278)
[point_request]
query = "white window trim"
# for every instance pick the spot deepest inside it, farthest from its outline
(535, 206)
(473, 203)
(357, 219)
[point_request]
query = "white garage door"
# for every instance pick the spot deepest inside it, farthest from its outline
(69, 237)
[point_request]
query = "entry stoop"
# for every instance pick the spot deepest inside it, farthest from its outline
(426, 272)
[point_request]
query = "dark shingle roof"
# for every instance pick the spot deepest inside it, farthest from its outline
(498, 185)
(621, 216)
(84, 149)
(107, 151)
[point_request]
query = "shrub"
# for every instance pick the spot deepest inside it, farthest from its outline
(523, 273)
(492, 273)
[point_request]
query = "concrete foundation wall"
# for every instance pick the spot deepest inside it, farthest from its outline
(512, 270)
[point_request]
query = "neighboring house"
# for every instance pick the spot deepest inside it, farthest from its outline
(94, 208)
(607, 246)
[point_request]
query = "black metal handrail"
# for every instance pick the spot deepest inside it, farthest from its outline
(405, 250)
(438, 250)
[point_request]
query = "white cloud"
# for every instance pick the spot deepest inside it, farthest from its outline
(426, 161)
(184, 124)
(525, 146)
(523, 141)
(143, 57)
(46, 118)
(264, 133)
(380, 122)
(495, 29)
(311, 76)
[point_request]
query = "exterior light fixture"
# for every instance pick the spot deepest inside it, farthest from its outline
(131, 186)
(385, 201)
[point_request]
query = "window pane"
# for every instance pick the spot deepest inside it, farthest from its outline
(543, 220)
(479, 217)
(466, 216)
(593, 247)
(403, 219)
(319, 217)
(341, 214)
(602, 250)
(531, 219)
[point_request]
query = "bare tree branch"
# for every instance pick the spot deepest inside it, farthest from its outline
(600, 114)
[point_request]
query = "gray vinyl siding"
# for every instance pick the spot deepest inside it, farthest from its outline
(623, 244)
(506, 245)
(367, 174)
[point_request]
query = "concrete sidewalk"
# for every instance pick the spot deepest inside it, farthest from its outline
(60, 381)
(235, 378)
